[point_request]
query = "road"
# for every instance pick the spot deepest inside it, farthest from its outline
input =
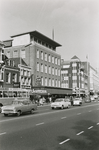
(76, 128)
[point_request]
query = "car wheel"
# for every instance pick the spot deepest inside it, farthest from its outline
(32, 111)
(5, 114)
(62, 107)
(19, 113)
(52, 107)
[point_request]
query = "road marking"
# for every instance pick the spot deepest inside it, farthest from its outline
(79, 114)
(2, 133)
(64, 141)
(63, 117)
(97, 123)
(89, 110)
(39, 123)
(80, 133)
(90, 127)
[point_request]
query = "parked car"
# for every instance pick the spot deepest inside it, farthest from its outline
(87, 100)
(61, 103)
(77, 101)
(18, 107)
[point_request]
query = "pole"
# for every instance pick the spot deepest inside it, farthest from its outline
(20, 68)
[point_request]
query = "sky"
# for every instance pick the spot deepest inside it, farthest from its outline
(75, 24)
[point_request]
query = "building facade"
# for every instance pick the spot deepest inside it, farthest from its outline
(39, 52)
(73, 76)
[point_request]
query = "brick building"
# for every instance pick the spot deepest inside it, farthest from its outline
(39, 52)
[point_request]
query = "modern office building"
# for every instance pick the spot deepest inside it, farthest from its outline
(38, 52)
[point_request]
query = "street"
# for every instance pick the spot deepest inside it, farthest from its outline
(76, 128)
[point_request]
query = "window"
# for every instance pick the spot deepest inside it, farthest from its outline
(52, 59)
(42, 81)
(74, 77)
(49, 58)
(41, 67)
(74, 64)
(49, 69)
(45, 81)
(53, 71)
(45, 57)
(52, 82)
(49, 81)
(8, 77)
(14, 77)
(56, 82)
(37, 55)
(45, 68)
(56, 71)
(37, 66)
(15, 53)
(56, 61)
(41, 55)
(74, 71)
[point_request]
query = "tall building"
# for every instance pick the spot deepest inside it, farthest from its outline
(39, 52)
(73, 76)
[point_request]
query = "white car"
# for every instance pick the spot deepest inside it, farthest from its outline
(61, 103)
(77, 101)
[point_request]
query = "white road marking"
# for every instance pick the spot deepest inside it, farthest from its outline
(64, 141)
(90, 127)
(63, 117)
(97, 123)
(39, 123)
(79, 114)
(2, 133)
(80, 133)
(89, 110)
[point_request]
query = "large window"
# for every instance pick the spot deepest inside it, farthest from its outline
(41, 55)
(45, 81)
(8, 77)
(49, 58)
(14, 77)
(37, 55)
(45, 68)
(41, 67)
(15, 53)
(49, 69)
(53, 59)
(45, 57)
(37, 66)
(52, 70)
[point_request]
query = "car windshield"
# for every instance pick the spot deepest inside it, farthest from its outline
(59, 100)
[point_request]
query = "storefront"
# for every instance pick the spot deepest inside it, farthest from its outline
(48, 91)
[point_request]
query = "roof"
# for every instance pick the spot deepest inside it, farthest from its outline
(39, 35)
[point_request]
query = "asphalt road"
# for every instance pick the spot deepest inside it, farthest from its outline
(76, 128)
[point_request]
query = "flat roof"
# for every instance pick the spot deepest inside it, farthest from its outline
(39, 35)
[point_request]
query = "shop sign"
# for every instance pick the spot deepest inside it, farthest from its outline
(39, 91)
